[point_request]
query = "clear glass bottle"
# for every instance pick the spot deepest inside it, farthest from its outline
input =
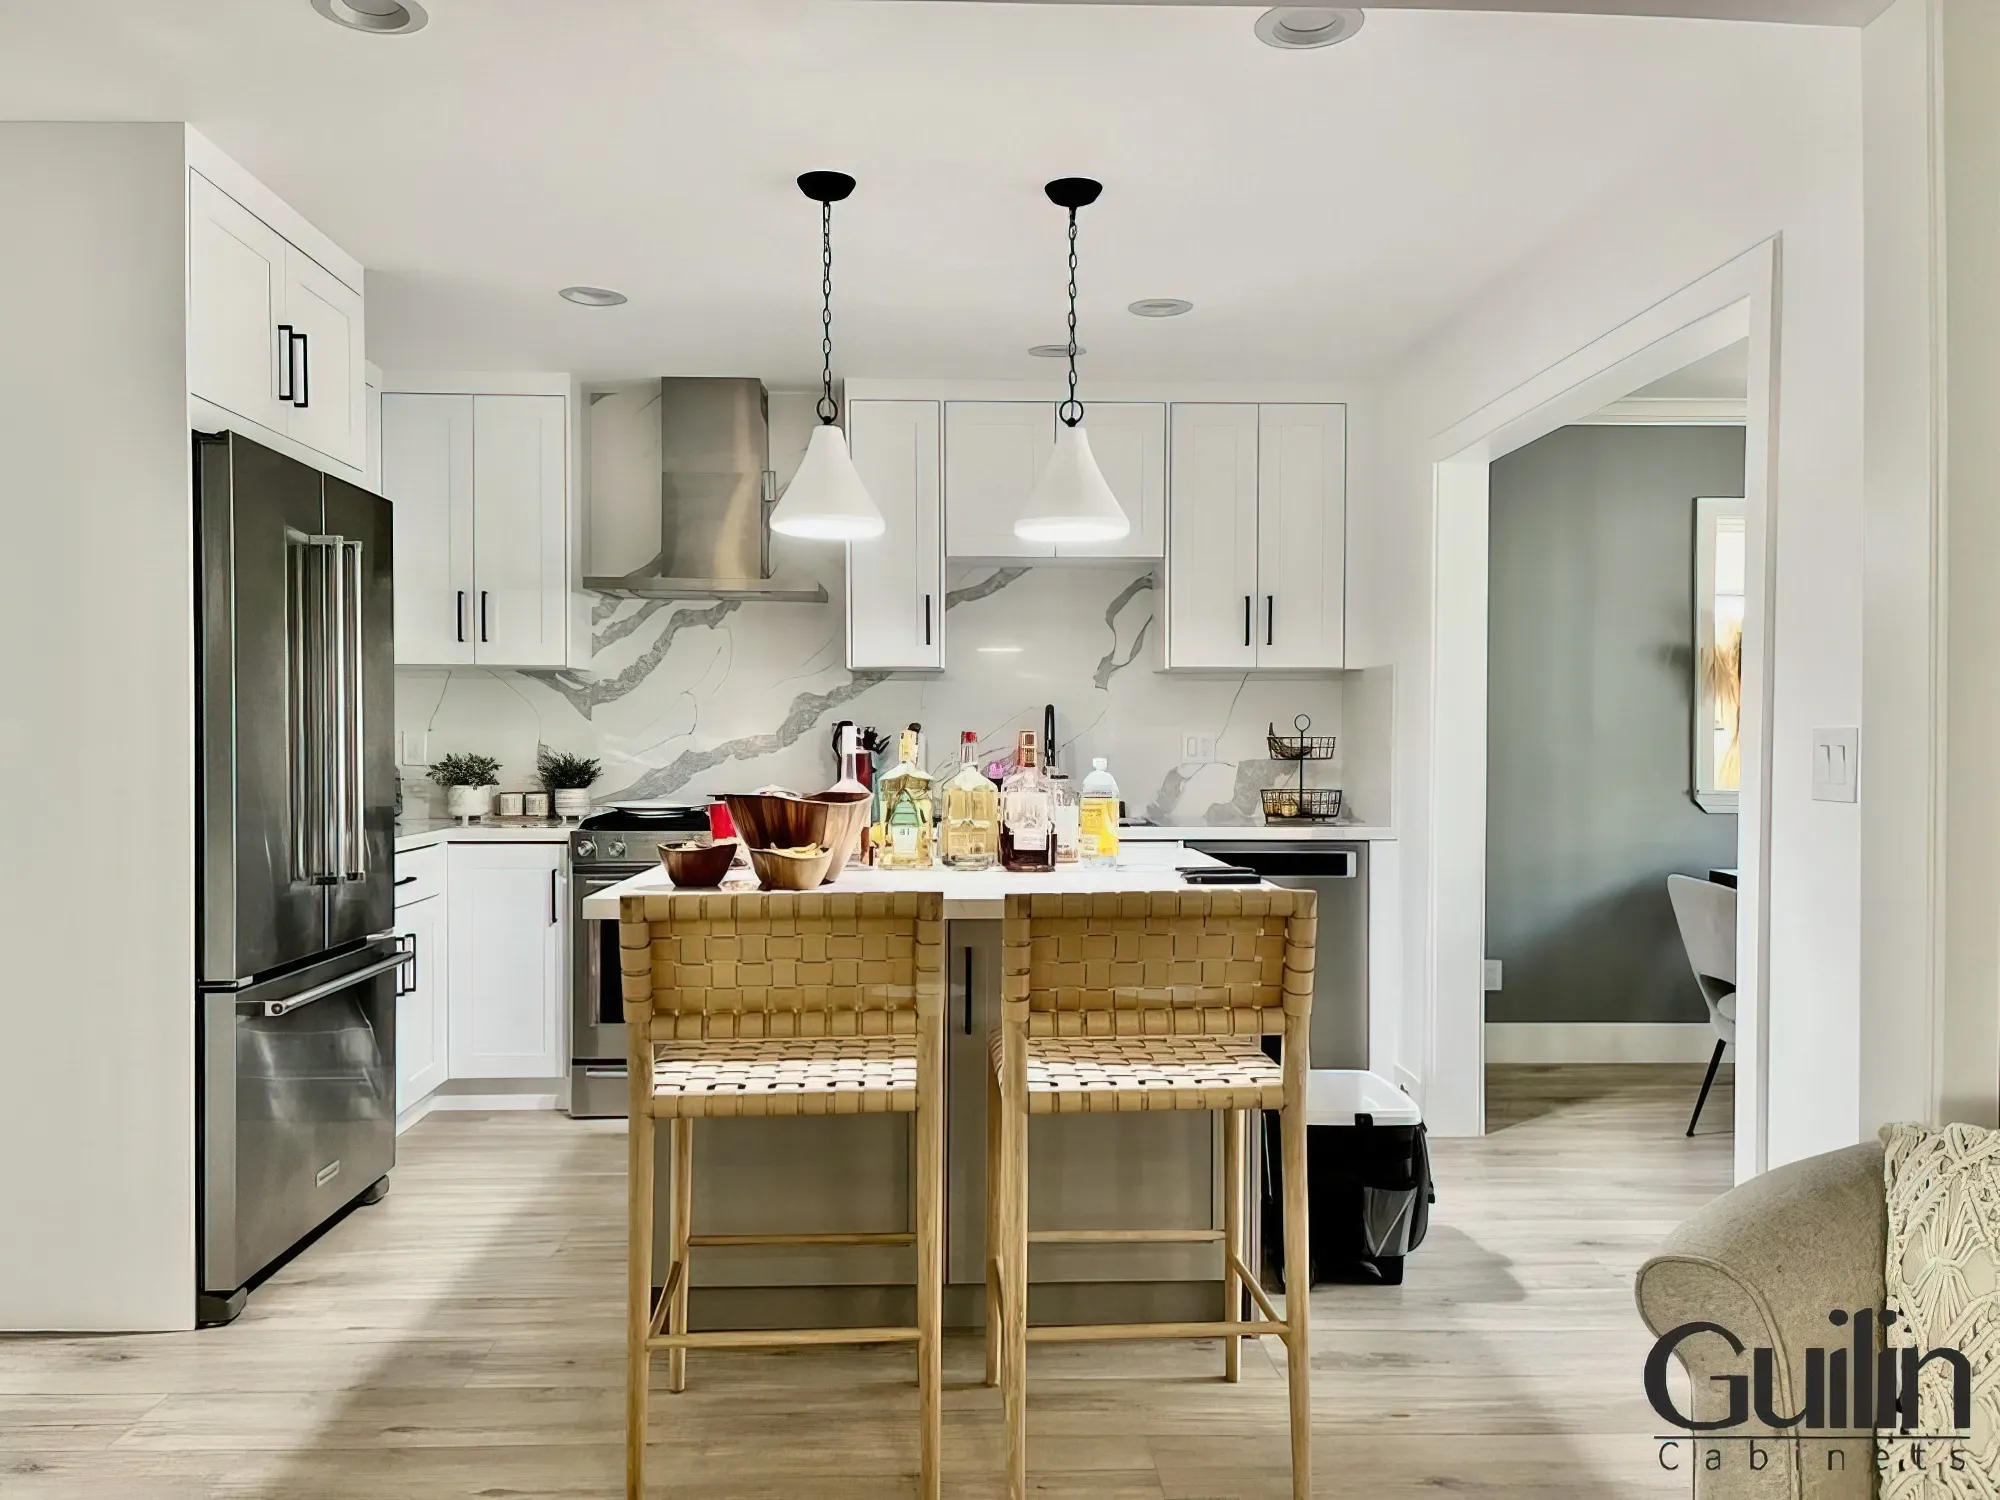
(1068, 808)
(971, 812)
(1098, 843)
(1027, 811)
(909, 815)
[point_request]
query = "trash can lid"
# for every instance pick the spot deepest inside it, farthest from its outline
(1335, 1096)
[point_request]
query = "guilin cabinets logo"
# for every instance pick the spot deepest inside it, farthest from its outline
(1859, 1404)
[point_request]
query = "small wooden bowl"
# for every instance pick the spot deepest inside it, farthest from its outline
(698, 865)
(833, 820)
(778, 870)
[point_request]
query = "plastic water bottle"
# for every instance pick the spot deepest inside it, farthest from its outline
(1097, 843)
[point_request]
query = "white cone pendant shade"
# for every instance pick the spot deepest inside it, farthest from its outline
(826, 500)
(1072, 503)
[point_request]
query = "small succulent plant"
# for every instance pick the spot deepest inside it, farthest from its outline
(561, 771)
(466, 770)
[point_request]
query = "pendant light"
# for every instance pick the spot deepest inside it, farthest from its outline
(1071, 502)
(826, 500)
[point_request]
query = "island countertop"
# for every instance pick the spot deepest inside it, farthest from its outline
(970, 895)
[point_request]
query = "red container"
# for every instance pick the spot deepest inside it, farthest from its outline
(720, 825)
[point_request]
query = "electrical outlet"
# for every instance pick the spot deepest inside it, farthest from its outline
(1492, 975)
(1198, 750)
(412, 748)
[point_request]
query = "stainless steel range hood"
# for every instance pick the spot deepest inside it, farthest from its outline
(715, 493)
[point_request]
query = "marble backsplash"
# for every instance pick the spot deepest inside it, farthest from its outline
(689, 699)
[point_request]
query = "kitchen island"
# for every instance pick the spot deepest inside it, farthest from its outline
(851, 1174)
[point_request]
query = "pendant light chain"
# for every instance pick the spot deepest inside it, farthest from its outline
(828, 411)
(1071, 410)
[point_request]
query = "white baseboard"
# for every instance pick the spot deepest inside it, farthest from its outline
(490, 1102)
(1598, 1042)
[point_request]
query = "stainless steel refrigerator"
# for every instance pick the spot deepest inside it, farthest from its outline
(298, 971)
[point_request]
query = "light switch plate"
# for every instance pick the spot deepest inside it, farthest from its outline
(1492, 975)
(1836, 765)
(1198, 750)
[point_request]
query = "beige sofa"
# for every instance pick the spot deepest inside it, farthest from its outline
(1768, 1261)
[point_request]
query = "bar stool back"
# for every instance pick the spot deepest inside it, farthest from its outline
(1152, 1001)
(779, 1004)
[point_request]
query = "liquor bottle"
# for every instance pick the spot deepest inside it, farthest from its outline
(909, 815)
(971, 812)
(853, 779)
(1027, 811)
(1099, 842)
(1068, 809)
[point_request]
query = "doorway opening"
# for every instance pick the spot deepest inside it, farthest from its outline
(1705, 322)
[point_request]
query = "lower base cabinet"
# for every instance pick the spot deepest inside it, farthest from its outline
(504, 960)
(422, 1030)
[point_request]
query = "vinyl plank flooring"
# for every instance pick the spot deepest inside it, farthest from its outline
(464, 1340)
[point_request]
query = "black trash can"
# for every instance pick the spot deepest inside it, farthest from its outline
(1368, 1176)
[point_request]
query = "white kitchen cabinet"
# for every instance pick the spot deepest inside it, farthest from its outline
(479, 485)
(427, 476)
(274, 337)
(1129, 441)
(895, 582)
(423, 1055)
(1256, 536)
(995, 451)
(1211, 584)
(504, 960)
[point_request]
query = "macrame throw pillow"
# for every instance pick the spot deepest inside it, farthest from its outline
(1943, 1278)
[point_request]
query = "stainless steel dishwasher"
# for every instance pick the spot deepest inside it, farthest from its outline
(1339, 872)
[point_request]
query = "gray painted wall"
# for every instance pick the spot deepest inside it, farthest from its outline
(1590, 698)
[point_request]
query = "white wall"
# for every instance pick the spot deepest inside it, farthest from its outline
(1789, 165)
(96, 603)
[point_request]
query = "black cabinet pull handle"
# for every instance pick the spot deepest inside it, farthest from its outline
(284, 362)
(461, 616)
(927, 619)
(553, 918)
(1246, 619)
(482, 616)
(1270, 617)
(968, 992)
(406, 880)
(305, 368)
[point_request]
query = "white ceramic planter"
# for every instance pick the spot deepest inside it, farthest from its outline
(468, 802)
(572, 802)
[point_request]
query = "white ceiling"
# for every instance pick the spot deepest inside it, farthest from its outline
(1324, 210)
(1800, 12)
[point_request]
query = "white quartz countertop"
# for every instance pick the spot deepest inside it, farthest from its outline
(419, 833)
(966, 895)
(1316, 833)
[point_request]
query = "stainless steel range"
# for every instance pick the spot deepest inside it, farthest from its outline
(608, 847)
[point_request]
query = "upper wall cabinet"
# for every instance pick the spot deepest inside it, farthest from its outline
(1256, 537)
(274, 338)
(895, 582)
(479, 485)
(995, 451)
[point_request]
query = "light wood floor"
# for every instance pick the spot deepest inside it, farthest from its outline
(463, 1338)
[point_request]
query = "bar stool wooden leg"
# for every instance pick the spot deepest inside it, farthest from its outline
(1014, 1275)
(683, 1227)
(1235, 1245)
(995, 1196)
(930, 1274)
(1298, 1280)
(639, 1285)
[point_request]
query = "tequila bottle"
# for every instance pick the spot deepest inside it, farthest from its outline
(1027, 811)
(971, 812)
(908, 812)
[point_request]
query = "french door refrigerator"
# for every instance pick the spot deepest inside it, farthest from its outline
(298, 971)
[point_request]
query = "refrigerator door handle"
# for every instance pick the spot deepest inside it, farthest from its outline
(334, 986)
(353, 762)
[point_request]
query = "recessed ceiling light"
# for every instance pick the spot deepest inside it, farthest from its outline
(591, 296)
(999, 650)
(1299, 27)
(1160, 307)
(1055, 351)
(381, 17)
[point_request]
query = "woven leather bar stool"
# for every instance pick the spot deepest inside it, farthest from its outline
(779, 1004)
(1151, 1002)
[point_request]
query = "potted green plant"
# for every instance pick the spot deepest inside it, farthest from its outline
(568, 778)
(468, 782)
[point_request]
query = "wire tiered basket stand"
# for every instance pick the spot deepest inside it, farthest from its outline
(1300, 803)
